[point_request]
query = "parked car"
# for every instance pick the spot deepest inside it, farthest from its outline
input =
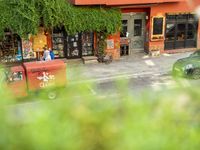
(188, 67)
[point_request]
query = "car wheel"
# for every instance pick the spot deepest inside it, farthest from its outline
(196, 73)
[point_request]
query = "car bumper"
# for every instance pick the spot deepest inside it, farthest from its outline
(178, 72)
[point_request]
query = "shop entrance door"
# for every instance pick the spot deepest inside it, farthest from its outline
(73, 46)
(137, 32)
(133, 25)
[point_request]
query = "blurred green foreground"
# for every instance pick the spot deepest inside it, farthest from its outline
(79, 120)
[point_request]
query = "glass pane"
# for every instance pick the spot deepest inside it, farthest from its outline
(170, 28)
(190, 35)
(184, 28)
(170, 37)
(10, 48)
(124, 31)
(124, 22)
(181, 27)
(171, 17)
(192, 26)
(58, 42)
(180, 36)
(182, 17)
(73, 46)
(137, 27)
(191, 16)
(124, 28)
(87, 43)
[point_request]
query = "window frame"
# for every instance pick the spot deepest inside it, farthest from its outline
(157, 37)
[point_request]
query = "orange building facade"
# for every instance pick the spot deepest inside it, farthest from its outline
(153, 26)
(148, 26)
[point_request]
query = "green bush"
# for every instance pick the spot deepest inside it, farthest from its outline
(80, 120)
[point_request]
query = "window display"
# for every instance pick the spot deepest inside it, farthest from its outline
(87, 44)
(74, 46)
(58, 43)
(10, 48)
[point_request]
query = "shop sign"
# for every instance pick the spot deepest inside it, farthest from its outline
(110, 44)
(124, 41)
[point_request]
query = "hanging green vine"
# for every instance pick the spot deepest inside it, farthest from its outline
(25, 16)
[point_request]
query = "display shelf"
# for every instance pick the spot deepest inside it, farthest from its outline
(9, 49)
(58, 44)
(87, 44)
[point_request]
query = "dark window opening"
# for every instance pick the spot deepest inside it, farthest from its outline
(137, 27)
(124, 28)
(10, 48)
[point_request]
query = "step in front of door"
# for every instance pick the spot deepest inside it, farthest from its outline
(89, 59)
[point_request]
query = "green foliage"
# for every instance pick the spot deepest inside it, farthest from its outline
(78, 120)
(101, 42)
(25, 16)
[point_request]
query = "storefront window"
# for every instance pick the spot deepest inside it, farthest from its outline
(87, 43)
(58, 43)
(180, 31)
(170, 28)
(170, 31)
(10, 48)
(74, 46)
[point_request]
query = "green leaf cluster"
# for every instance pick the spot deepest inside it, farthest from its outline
(81, 120)
(23, 17)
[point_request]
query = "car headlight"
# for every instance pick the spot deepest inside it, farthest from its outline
(188, 66)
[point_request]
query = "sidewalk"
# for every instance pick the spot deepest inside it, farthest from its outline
(138, 65)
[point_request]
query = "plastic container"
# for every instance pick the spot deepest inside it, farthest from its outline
(45, 74)
(16, 81)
